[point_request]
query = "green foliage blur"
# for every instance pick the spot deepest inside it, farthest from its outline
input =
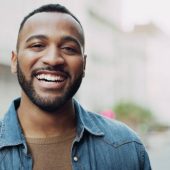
(136, 116)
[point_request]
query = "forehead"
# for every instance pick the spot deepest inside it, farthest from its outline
(47, 23)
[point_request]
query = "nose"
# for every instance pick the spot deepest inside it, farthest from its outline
(53, 57)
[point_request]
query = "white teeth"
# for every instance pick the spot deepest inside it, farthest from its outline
(48, 77)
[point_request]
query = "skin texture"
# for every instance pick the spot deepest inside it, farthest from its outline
(50, 44)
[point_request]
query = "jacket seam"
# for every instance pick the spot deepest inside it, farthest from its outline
(115, 145)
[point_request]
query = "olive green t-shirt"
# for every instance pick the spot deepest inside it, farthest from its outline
(52, 153)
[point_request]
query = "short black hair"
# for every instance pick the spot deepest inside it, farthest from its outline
(48, 8)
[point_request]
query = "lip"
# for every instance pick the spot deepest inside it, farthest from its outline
(57, 73)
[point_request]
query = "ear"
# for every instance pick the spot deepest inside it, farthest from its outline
(84, 67)
(13, 62)
(85, 57)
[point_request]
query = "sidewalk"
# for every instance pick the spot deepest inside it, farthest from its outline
(159, 150)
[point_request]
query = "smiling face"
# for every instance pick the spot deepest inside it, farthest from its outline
(50, 60)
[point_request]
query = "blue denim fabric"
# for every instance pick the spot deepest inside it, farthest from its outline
(100, 144)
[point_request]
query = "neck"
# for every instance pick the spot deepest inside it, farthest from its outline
(37, 123)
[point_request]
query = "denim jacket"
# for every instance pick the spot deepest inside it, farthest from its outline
(100, 144)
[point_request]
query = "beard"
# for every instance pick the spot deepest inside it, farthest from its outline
(46, 103)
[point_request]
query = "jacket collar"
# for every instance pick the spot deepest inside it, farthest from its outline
(10, 129)
(11, 133)
(86, 122)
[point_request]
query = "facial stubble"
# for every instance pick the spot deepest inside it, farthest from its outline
(45, 103)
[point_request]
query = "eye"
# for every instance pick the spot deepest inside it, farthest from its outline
(37, 46)
(70, 50)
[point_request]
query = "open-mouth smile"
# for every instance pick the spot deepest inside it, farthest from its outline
(51, 79)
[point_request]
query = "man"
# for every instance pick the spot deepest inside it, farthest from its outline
(46, 129)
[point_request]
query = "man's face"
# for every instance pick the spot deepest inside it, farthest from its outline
(50, 61)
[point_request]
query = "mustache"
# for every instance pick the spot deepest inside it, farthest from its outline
(50, 68)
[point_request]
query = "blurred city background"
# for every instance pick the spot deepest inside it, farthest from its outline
(128, 64)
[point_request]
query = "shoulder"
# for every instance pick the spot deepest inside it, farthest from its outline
(1, 124)
(114, 130)
(123, 139)
(2, 128)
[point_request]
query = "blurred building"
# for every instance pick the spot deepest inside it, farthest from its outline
(9, 88)
(120, 65)
(125, 65)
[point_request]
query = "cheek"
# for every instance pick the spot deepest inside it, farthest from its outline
(27, 61)
(23, 66)
(76, 67)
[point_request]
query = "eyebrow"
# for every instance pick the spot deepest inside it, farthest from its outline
(64, 38)
(36, 37)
